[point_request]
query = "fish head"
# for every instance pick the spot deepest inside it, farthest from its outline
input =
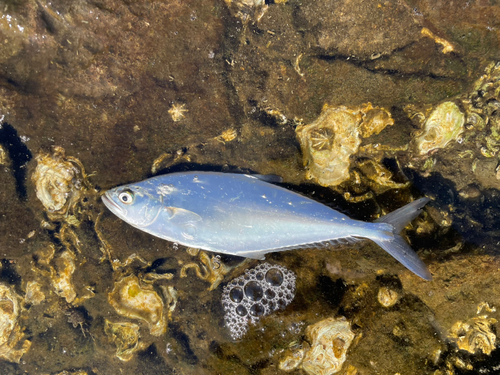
(136, 205)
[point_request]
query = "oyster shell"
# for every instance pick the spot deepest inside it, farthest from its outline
(136, 301)
(10, 332)
(61, 276)
(213, 269)
(330, 339)
(444, 124)
(328, 143)
(126, 336)
(34, 294)
(292, 359)
(58, 182)
(475, 335)
(247, 9)
(375, 120)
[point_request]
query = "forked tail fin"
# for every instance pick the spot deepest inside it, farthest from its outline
(397, 246)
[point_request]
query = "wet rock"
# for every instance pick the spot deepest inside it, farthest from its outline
(365, 30)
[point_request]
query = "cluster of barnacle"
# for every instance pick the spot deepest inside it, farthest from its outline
(483, 110)
(331, 147)
(472, 119)
(62, 187)
(324, 350)
(470, 338)
(332, 152)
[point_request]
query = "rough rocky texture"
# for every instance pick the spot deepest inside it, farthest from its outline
(99, 78)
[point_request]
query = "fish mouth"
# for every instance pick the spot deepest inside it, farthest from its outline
(111, 205)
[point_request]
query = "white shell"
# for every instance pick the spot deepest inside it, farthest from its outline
(330, 339)
(328, 143)
(445, 124)
(136, 301)
(10, 332)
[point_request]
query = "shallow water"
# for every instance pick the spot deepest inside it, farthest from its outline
(99, 94)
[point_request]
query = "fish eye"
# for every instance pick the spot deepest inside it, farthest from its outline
(126, 197)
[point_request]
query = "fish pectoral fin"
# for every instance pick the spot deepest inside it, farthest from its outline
(180, 215)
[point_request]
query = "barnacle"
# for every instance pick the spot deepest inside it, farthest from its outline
(375, 119)
(247, 9)
(227, 135)
(292, 359)
(329, 142)
(322, 139)
(3, 156)
(177, 112)
(34, 294)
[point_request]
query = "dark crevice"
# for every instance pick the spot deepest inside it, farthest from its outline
(19, 154)
(184, 343)
(8, 272)
(365, 64)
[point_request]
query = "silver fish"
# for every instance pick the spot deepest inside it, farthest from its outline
(244, 215)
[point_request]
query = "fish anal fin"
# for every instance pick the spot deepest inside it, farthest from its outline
(260, 254)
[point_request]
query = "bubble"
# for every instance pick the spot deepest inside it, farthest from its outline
(281, 304)
(257, 310)
(241, 311)
(258, 292)
(270, 294)
(236, 295)
(254, 291)
(274, 277)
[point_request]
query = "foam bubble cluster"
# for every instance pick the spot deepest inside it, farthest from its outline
(258, 292)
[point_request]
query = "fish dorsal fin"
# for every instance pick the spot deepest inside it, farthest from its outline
(271, 178)
(181, 216)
